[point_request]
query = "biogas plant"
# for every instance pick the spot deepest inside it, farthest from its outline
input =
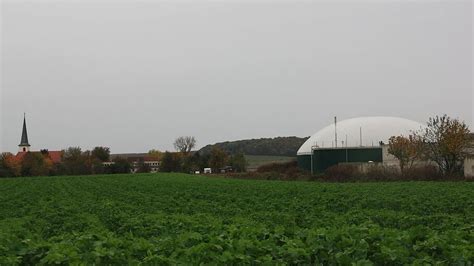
(359, 141)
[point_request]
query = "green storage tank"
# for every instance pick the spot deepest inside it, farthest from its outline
(324, 158)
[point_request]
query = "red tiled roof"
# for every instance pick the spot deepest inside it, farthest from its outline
(55, 156)
(20, 155)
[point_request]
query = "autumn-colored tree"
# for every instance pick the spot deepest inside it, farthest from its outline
(446, 141)
(14, 165)
(4, 172)
(49, 165)
(33, 164)
(74, 162)
(218, 158)
(406, 149)
(184, 144)
(48, 162)
(10, 164)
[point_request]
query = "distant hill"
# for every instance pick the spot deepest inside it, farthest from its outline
(280, 146)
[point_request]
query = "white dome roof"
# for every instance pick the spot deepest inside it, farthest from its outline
(374, 130)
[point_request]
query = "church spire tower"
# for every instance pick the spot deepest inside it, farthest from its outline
(24, 145)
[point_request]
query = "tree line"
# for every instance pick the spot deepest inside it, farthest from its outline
(74, 161)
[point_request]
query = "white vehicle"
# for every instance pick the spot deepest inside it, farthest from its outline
(207, 170)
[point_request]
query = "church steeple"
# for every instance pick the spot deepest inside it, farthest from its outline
(24, 145)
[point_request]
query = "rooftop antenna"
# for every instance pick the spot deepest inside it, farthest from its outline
(335, 130)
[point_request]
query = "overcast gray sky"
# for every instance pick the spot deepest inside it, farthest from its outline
(134, 75)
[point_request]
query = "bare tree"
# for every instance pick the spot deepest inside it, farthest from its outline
(185, 144)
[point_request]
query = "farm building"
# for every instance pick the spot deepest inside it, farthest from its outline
(356, 140)
(138, 161)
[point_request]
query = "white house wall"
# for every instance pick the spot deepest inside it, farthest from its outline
(469, 166)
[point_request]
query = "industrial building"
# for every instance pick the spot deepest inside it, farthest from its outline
(356, 140)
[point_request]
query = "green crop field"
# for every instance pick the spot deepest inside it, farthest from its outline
(182, 219)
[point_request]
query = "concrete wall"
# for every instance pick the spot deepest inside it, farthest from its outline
(388, 159)
(364, 168)
(469, 166)
(391, 161)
